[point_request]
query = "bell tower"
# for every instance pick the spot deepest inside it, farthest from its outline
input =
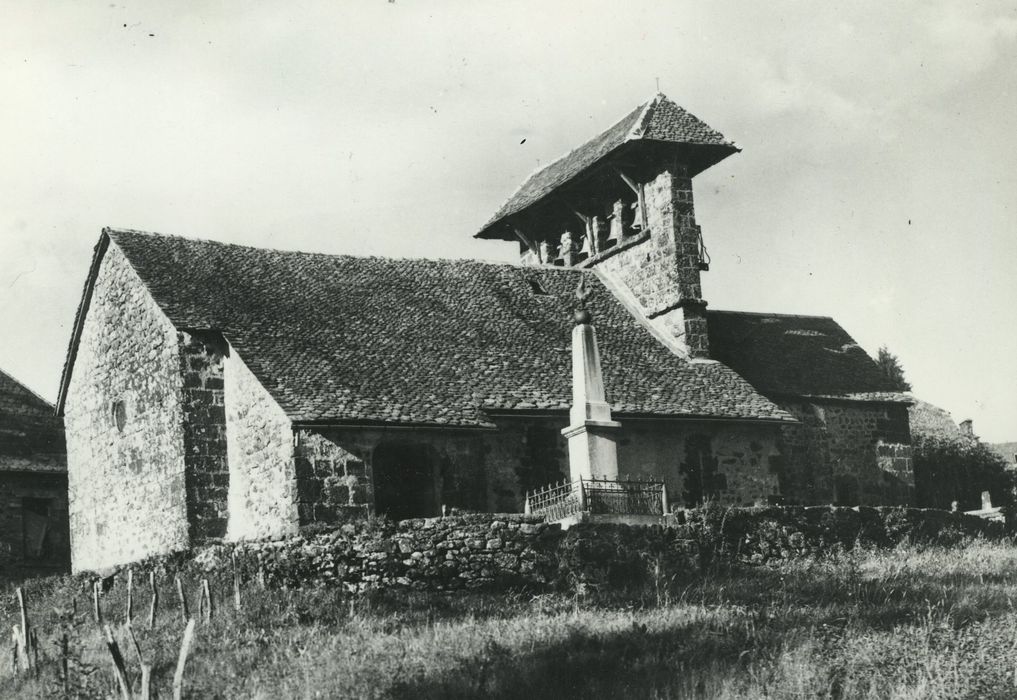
(622, 203)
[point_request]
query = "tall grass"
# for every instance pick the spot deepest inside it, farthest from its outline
(904, 623)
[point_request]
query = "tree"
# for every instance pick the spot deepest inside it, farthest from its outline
(958, 468)
(890, 366)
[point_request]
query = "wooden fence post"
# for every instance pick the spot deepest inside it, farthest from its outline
(26, 631)
(35, 652)
(96, 610)
(146, 682)
(206, 601)
(236, 582)
(155, 600)
(65, 665)
(15, 649)
(185, 647)
(119, 668)
(134, 643)
(130, 595)
(182, 598)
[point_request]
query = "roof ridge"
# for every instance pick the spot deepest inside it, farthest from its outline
(24, 386)
(541, 168)
(639, 128)
(768, 313)
(350, 256)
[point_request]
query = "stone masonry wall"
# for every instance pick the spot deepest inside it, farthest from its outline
(662, 273)
(333, 480)
(207, 475)
(259, 441)
(498, 551)
(744, 460)
(848, 453)
(477, 470)
(126, 483)
(492, 470)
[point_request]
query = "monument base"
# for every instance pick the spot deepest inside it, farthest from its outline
(593, 450)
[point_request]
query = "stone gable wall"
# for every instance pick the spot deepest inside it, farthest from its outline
(126, 495)
(840, 447)
(259, 442)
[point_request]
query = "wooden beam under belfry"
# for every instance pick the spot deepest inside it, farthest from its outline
(534, 248)
(636, 187)
(591, 235)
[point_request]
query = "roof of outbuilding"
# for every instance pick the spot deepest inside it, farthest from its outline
(658, 119)
(351, 339)
(18, 399)
(784, 355)
(31, 436)
(931, 420)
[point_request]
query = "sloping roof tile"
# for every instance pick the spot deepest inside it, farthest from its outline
(658, 119)
(783, 355)
(339, 338)
(31, 436)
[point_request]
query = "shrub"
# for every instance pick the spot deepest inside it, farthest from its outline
(949, 469)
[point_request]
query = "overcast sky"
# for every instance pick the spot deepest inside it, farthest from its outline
(876, 185)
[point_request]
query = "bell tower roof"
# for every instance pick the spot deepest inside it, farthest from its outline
(654, 126)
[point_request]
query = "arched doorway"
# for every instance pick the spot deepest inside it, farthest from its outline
(405, 481)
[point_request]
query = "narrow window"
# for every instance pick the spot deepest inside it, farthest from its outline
(536, 287)
(119, 412)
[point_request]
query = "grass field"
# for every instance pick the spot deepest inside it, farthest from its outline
(906, 623)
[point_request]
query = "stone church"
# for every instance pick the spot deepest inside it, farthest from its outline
(223, 391)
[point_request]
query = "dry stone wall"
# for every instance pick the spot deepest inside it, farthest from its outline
(123, 421)
(499, 551)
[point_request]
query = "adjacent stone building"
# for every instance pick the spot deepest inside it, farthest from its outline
(222, 391)
(852, 443)
(33, 484)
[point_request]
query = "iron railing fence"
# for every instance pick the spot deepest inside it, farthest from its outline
(598, 496)
(604, 496)
(556, 501)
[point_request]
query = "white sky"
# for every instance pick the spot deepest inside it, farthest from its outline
(877, 183)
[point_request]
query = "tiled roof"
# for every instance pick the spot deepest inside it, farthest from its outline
(782, 355)
(658, 119)
(929, 419)
(31, 436)
(339, 338)
(18, 399)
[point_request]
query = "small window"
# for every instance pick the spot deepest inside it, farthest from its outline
(119, 412)
(536, 287)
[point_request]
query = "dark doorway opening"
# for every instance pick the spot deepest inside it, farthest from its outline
(702, 482)
(846, 492)
(35, 528)
(405, 481)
